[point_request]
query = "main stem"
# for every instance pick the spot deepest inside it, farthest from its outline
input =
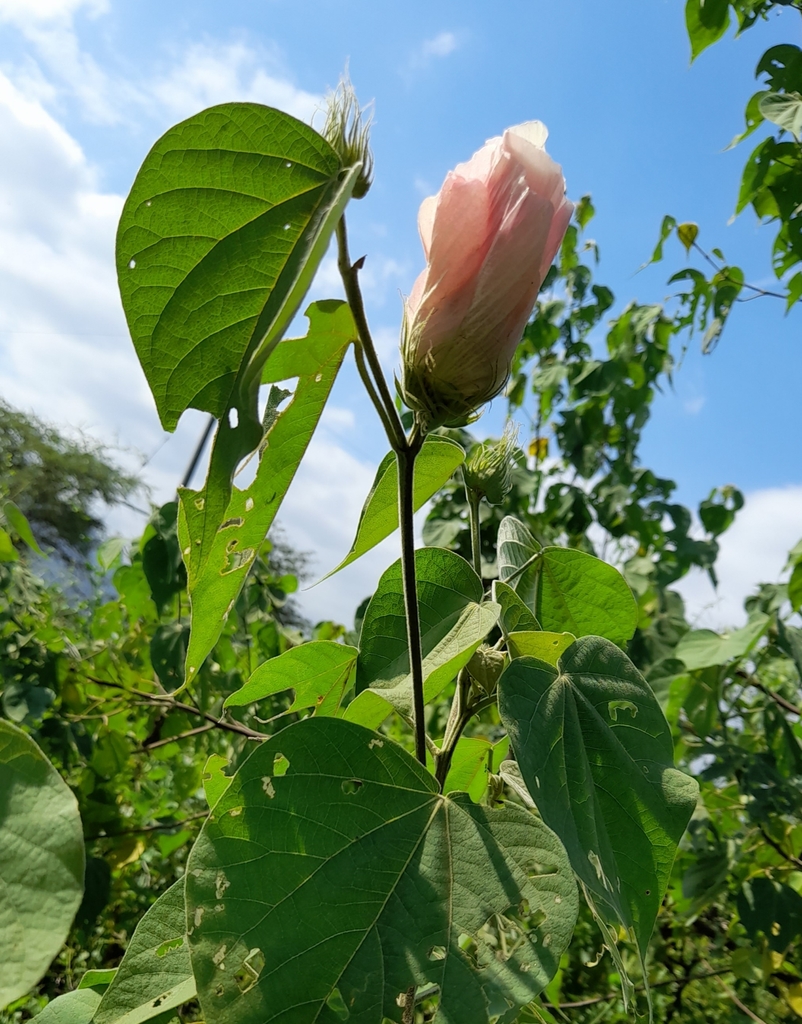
(406, 450)
(406, 476)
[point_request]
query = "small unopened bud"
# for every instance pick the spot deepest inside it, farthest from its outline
(487, 468)
(347, 130)
(486, 666)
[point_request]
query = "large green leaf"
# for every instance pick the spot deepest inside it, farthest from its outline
(218, 241)
(155, 974)
(318, 673)
(706, 22)
(596, 754)
(583, 595)
(215, 581)
(785, 110)
(41, 862)
(702, 648)
(453, 624)
(220, 237)
(76, 1007)
(325, 892)
(436, 461)
(568, 590)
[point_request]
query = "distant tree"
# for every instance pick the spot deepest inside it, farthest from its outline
(58, 482)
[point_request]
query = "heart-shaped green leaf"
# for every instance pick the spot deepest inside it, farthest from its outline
(596, 754)
(327, 891)
(568, 590)
(225, 224)
(453, 624)
(41, 862)
(434, 465)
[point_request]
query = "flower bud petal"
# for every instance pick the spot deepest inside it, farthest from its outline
(489, 237)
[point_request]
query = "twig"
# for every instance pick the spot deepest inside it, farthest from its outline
(741, 1006)
(146, 828)
(168, 702)
(776, 846)
(742, 284)
(180, 736)
(639, 988)
(781, 701)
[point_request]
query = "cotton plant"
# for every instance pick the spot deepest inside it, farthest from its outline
(353, 866)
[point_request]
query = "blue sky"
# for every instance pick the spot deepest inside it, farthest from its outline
(87, 86)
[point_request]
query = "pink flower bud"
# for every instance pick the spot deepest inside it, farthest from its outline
(489, 236)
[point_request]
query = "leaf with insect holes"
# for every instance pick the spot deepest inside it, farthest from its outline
(155, 974)
(219, 240)
(325, 890)
(215, 581)
(596, 754)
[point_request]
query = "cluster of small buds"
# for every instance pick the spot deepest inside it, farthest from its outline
(347, 130)
(488, 466)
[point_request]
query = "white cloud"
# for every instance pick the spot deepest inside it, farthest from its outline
(219, 73)
(31, 12)
(48, 27)
(435, 48)
(753, 551)
(693, 406)
(440, 45)
(66, 351)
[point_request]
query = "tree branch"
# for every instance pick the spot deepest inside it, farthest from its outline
(171, 704)
(776, 846)
(146, 828)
